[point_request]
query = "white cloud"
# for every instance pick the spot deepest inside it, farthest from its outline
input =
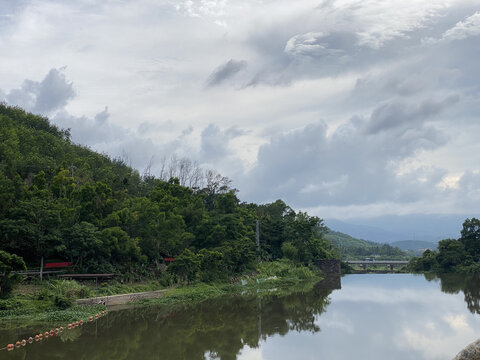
(464, 29)
(343, 106)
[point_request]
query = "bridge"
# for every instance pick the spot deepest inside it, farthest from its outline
(365, 263)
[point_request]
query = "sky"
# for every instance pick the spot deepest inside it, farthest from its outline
(342, 108)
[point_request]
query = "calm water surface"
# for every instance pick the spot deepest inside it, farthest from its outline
(370, 317)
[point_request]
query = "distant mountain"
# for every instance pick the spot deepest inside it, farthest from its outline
(372, 233)
(351, 247)
(414, 245)
(392, 228)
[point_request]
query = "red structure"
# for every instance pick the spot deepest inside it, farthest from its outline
(58, 264)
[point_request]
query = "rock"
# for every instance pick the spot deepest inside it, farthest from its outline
(471, 352)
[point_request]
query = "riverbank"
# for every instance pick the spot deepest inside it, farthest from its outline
(57, 300)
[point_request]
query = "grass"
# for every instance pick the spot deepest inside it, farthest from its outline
(281, 276)
(194, 294)
(48, 301)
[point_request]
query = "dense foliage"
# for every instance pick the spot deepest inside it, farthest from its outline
(453, 255)
(62, 201)
(8, 278)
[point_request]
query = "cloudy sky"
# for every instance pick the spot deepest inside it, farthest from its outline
(343, 108)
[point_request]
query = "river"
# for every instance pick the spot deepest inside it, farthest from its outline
(378, 316)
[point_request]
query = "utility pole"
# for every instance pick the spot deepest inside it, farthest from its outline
(41, 269)
(257, 230)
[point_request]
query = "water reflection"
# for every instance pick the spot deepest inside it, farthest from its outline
(218, 328)
(395, 317)
(455, 283)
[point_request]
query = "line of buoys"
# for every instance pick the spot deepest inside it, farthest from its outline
(53, 332)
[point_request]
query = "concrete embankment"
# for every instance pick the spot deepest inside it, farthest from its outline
(121, 299)
(471, 352)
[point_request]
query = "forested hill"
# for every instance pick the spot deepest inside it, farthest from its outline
(63, 201)
(352, 248)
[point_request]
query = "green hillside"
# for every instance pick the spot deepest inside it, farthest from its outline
(66, 202)
(353, 248)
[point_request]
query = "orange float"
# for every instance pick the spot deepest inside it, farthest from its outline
(61, 328)
(69, 326)
(40, 336)
(17, 344)
(37, 338)
(76, 323)
(90, 318)
(46, 334)
(10, 347)
(81, 322)
(30, 340)
(24, 342)
(52, 332)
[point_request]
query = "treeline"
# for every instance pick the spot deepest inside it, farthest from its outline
(454, 255)
(63, 201)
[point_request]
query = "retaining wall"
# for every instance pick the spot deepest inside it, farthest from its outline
(121, 299)
(329, 266)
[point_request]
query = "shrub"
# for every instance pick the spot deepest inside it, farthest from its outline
(10, 304)
(9, 263)
(62, 302)
(69, 289)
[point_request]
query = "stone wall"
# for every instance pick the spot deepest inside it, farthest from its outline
(331, 266)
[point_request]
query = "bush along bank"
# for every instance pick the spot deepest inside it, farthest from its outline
(48, 301)
(279, 276)
(54, 300)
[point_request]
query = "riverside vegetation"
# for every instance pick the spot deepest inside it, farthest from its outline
(62, 201)
(454, 255)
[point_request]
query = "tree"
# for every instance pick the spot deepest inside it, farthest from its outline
(470, 237)
(8, 264)
(186, 266)
(83, 247)
(451, 253)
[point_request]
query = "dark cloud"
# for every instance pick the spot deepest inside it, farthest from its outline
(393, 115)
(148, 127)
(226, 71)
(53, 92)
(44, 97)
(94, 131)
(350, 166)
(214, 144)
